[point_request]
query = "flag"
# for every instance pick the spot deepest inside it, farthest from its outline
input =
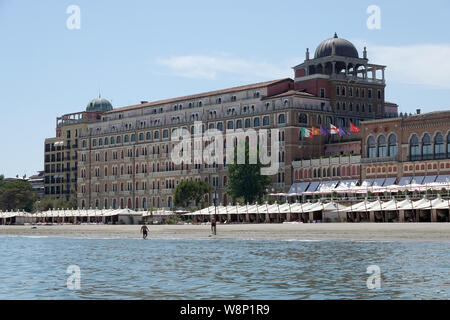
(354, 128)
(324, 131)
(306, 133)
(315, 131)
(342, 132)
(333, 129)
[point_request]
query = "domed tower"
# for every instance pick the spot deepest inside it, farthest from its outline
(99, 104)
(337, 72)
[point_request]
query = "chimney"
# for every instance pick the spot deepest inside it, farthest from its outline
(307, 53)
(418, 111)
(142, 102)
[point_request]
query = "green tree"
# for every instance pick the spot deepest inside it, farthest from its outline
(16, 195)
(48, 203)
(245, 180)
(188, 191)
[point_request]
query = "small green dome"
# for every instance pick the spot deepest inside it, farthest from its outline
(99, 104)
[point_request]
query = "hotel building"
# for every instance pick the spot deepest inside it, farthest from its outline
(60, 152)
(124, 154)
(409, 149)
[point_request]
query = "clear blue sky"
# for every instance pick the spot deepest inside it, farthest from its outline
(149, 50)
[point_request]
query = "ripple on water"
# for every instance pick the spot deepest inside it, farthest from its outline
(35, 268)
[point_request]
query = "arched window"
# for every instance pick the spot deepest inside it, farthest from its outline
(165, 133)
(220, 126)
(230, 125)
(392, 148)
(126, 138)
(148, 136)
(247, 123)
(238, 124)
(448, 144)
(371, 147)
(319, 120)
(439, 148)
(426, 146)
(414, 148)
(141, 136)
(382, 149)
(106, 141)
(112, 140)
(156, 135)
(303, 118)
(281, 118)
(256, 122)
(266, 121)
(133, 137)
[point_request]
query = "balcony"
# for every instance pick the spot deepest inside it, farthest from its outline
(379, 159)
(424, 157)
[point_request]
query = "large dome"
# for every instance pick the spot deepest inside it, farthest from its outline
(343, 48)
(99, 104)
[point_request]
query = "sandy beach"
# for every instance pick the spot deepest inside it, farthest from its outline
(320, 231)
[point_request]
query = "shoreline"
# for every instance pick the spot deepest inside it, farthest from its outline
(318, 231)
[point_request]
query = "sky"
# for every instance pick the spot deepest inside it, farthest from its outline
(150, 50)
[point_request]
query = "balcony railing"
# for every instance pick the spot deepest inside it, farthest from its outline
(422, 157)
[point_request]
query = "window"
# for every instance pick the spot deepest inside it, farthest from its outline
(94, 142)
(165, 133)
(230, 125)
(322, 92)
(266, 121)
(392, 148)
(371, 147)
(112, 140)
(106, 141)
(256, 122)
(382, 150)
(369, 93)
(126, 138)
(148, 136)
(414, 149)
(426, 145)
(439, 144)
(303, 118)
(379, 94)
(281, 118)
(238, 124)
(156, 135)
(448, 144)
(247, 123)
(350, 92)
(338, 90)
(220, 126)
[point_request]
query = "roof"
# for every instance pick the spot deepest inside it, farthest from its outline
(200, 95)
(294, 92)
(343, 48)
(442, 115)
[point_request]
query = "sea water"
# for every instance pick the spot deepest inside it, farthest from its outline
(37, 268)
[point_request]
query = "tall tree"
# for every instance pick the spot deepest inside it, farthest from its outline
(16, 195)
(245, 180)
(188, 191)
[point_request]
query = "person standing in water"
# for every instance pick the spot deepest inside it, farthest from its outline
(213, 226)
(144, 231)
